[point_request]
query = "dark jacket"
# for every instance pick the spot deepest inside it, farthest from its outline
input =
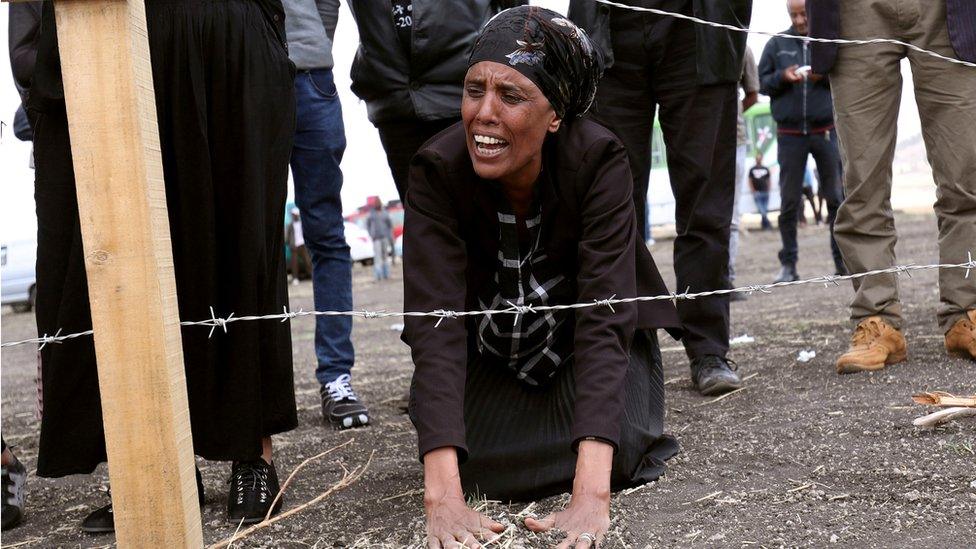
(425, 82)
(589, 231)
(24, 30)
(802, 107)
(720, 51)
(824, 21)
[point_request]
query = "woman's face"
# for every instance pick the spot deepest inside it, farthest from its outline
(506, 119)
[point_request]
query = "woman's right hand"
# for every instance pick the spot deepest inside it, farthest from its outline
(450, 523)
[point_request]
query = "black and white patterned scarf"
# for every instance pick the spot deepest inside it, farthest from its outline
(533, 344)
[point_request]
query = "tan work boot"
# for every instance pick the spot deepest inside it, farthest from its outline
(875, 344)
(960, 340)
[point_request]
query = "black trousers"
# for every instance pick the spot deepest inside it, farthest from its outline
(793, 151)
(226, 111)
(519, 437)
(402, 139)
(654, 66)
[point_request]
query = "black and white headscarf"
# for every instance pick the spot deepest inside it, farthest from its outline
(549, 50)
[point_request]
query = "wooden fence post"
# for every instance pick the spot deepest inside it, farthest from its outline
(111, 108)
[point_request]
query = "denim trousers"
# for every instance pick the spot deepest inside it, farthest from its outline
(320, 141)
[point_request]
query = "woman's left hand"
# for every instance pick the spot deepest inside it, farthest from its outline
(583, 515)
(587, 517)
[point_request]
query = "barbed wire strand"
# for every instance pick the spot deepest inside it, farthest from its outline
(858, 42)
(215, 322)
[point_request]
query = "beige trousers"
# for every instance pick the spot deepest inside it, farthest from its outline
(867, 83)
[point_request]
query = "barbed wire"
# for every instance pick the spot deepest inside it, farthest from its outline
(215, 322)
(859, 42)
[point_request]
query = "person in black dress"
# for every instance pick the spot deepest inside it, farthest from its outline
(226, 114)
(523, 203)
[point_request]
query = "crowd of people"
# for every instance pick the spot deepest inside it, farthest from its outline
(519, 140)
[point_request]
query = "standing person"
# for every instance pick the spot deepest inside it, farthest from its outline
(690, 71)
(409, 67)
(225, 139)
(801, 106)
(867, 94)
(749, 84)
(295, 238)
(24, 28)
(380, 228)
(759, 181)
(320, 140)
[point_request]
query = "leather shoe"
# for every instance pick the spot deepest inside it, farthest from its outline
(713, 375)
(874, 345)
(960, 340)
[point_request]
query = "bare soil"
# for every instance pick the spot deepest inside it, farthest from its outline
(801, 457)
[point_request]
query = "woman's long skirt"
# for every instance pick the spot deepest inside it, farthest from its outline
(519, 436)
(226, 113)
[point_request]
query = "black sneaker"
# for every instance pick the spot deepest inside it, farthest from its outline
(253, 487)
(713, 375)
(102, 520)
(14, 482)
(340, 405)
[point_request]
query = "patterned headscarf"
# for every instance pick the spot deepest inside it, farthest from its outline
(549, 50)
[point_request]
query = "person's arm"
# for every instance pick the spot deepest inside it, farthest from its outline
(434, 265)
(750, 80)
(24, 29)
(773, 82)
(329, 13)
(607, 267)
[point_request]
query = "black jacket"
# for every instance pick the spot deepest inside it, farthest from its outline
(426, 82)
(803, 107)
(588, 230)
(720, 52)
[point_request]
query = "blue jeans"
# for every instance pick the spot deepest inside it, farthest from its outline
(320, 141)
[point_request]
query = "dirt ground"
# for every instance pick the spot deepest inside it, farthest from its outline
(801, 457)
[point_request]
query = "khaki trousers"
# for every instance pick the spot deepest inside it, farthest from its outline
(867, 83)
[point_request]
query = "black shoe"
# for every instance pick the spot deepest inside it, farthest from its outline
(14, 482)
(340, 405)
(102, 520)
(253, 487)
(787, 274)
(713, 375)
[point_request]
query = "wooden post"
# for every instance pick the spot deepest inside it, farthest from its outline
(111, 108)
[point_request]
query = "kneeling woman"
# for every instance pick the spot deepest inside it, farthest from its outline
(524, 204)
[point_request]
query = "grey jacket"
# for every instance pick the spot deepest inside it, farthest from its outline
(310, 26)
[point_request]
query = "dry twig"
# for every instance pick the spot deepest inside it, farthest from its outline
(941, 398)
(943, 416)
(294, 472)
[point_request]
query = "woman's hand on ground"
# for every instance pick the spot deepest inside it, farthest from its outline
(451, 523)
(583, 515)
(588, 511)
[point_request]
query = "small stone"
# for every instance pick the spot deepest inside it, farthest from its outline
(833, 538)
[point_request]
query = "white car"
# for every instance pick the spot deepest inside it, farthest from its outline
(360, 244)
(17, 277)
